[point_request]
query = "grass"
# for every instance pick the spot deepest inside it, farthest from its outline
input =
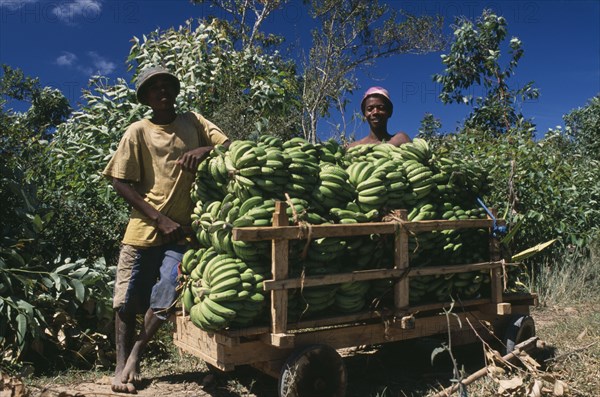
(572, 279)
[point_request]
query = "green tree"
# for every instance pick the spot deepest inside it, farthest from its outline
(583, 126)
(48, 107)
(23, 137)
(542, 185)
(430, 127)
(46, 302)
(247, 16)
(475, 62)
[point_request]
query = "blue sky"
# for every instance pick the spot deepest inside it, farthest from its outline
(63, 42)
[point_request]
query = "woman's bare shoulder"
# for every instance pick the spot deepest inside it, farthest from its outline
(399, 139)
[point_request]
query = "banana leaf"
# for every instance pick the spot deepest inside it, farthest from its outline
(531, 251)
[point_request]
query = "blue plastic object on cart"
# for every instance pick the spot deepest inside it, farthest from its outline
(497, 230)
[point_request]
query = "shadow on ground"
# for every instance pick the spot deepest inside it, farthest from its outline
(392, 369)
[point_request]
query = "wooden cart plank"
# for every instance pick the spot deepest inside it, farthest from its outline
(375, 274)
(339, 278)
(369, 334)
(204, 345)
(279, 268)
(360, 229)
(401, 287)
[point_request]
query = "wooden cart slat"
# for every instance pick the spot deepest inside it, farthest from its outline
(317, 231)
(375, 274)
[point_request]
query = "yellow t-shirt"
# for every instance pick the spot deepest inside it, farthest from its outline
(147, 156)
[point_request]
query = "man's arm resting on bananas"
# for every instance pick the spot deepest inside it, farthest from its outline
(167, 227)
(190, 160)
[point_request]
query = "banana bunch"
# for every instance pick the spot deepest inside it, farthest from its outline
(270, 141)
(208, 185)
(428, 288)
(455, 212)
(462, 180)
(420, 179)
(255, 169)
(446, 287)
(353, 214)
(332, 188)
(467, 245)
(302, 166)
(369, 181)
(316, 257)
(351, 297)
(202, 219)
(417, 150)
(366, 252)
(468, 285)
(315, 300)
(424, 248)
(256, 211)
(330, 152)
(325, 250)
(273, 176)
(423, 212)
(357, 154)
(190, 260)
(214, 222)
(225, 291)
(397, 186)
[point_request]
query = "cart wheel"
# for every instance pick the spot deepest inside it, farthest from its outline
(519, 329)
(316, 370)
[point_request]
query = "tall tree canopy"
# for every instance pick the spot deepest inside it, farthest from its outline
(476, 60)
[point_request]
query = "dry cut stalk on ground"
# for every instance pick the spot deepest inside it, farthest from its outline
(524, 346)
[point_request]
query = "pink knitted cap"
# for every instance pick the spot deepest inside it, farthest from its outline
(375, 91)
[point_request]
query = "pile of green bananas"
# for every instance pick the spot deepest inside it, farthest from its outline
(324, 182)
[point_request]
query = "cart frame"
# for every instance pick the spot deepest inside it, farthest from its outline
(267, 347)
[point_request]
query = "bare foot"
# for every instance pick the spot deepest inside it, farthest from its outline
(131, 372)
(122, 387)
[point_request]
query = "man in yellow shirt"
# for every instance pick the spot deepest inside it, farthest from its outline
(153, 170)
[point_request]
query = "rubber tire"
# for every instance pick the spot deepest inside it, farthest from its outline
(519, 329)
(316, 370)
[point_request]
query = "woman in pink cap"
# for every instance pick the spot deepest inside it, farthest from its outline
(377, 108)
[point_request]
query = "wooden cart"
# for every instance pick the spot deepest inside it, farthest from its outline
(303, 354)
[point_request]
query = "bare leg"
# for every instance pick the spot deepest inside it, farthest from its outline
(125, 335)
(131, 371)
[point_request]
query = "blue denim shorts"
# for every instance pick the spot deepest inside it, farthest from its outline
(147, 278)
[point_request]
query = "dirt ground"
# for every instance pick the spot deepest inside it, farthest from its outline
(370, 370)
(398, 369)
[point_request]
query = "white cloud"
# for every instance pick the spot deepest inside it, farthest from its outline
(66, 59)
(15, 4)
(95, 64)
(68, 12)
(101, 65)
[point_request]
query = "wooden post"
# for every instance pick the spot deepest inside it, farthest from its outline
(401, 300)
(279, 268)
(496, 282)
